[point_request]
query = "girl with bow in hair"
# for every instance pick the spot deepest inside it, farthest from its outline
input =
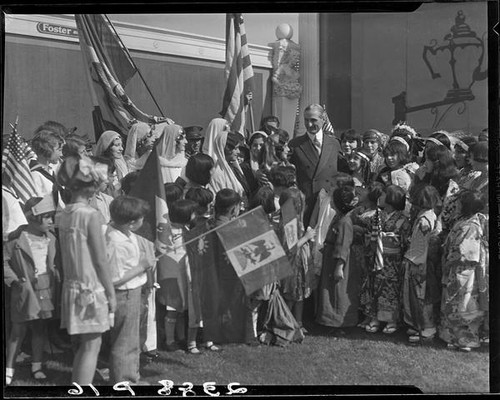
(88, 296)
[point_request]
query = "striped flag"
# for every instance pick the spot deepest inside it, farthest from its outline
(377, 238)
(327, 125)
(254, 250)
(238, 72)
(16, 167)
(109, 68)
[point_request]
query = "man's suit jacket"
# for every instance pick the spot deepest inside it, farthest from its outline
(315, 172)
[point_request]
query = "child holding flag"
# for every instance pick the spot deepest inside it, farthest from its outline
(297, 287)
(340, 281)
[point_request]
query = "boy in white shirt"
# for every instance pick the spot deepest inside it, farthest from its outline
(128, 270)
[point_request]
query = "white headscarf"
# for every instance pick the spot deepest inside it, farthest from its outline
(171, 161)
(136, 133)
(105, 141)
(216, 126)
(215, 141)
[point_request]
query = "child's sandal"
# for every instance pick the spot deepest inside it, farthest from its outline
(213, 347)
(193, 350)
(39, 375)
(372, 327)
(390, 329)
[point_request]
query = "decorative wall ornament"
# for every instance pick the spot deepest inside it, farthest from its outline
(286, 64)
(462, 45)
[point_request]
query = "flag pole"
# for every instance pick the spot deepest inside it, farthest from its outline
(135, 66)
(211, 230)
(250, 111)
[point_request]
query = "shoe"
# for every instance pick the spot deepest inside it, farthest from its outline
(304, 331)
(103, 373)
(363, 323)
(451, 346)
(173, 347)
(213, 347)
(390, 329)
(39, 375)
(152, 355)
(413, 339)
(372, 327)
(411, 332)
(465, 349)
(193, 350)
(9, 376)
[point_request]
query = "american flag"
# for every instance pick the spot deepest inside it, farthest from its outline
(15, 159)
(239, 73)
(327, 125)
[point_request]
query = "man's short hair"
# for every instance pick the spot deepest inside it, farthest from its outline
(315, 107)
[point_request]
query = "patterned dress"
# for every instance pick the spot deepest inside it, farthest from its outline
(381, 292)
(475, 180)
(421, 293)
(464, 303)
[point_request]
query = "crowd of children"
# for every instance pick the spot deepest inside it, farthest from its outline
(399, 242)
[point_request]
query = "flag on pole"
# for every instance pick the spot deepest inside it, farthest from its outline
(327, 125)
(149, 187)
(290, 224)
(15, 166)
(109, 68)
(238, 73)
(254, 250)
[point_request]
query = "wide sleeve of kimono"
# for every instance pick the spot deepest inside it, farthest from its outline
(419, 242)
(344, 239)
(402, 179)
(465, 246)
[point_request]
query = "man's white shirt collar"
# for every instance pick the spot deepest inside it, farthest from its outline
(318, 135)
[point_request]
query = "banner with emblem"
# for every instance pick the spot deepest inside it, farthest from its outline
(290, 224)
(254, 250)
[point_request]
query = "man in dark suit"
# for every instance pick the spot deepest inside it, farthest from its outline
(315, 156)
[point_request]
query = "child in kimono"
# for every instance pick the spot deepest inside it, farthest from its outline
(420, 287)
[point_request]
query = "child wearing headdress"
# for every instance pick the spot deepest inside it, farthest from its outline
(381, 293)
(29, 271)
(372, 147)
(358, 164)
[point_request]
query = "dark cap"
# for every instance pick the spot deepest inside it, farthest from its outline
(193, 132)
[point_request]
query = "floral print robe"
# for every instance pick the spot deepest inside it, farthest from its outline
(464, 302)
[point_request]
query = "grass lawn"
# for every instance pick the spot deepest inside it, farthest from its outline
(326, 357)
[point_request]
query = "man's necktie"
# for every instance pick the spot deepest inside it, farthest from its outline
(317, 145)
